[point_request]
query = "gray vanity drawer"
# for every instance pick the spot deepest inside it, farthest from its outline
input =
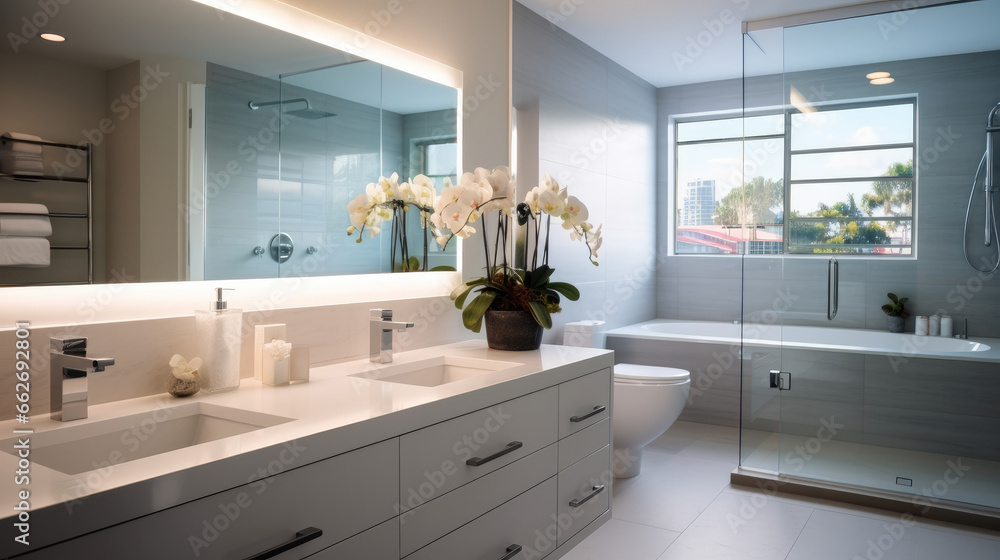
(576, 483)
(378, 543)
(428, 522)
(584, 442)
(342, 496)
(578, 399)
(526, 521)
(433, 459)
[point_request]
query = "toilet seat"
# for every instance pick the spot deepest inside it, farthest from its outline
(635, 374)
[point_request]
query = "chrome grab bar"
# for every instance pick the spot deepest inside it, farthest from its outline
(833, 289)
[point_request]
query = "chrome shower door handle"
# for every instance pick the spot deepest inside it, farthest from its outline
(779, 382)
(833, 289)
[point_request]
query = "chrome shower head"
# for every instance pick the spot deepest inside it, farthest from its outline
(310, 113)
(305, 113)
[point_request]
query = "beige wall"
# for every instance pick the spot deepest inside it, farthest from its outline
(163, 168)
(123, 176)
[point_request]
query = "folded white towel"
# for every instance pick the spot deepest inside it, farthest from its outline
(25, 225)
(20, 156)
(15, 166)
(24, 251)
(20, 147)
(21, 136)
(23, 208)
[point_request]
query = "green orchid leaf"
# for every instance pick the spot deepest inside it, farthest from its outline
(462, 291)
(566, 289)
(497, 287)
(443, 268)
(539, 277)
(472, 316)
(541, 314)
(893, 298)
(413, 263)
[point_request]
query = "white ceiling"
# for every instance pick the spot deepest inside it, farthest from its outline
(106, 34)
(673, 42)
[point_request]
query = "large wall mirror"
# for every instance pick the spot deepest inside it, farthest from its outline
(221, 148)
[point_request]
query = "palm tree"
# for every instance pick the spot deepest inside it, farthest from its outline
(889, 193)
(752, 204)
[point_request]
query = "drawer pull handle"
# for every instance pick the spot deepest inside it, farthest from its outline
(597, 410)
(302, 537)
(579, 502)
(512, 551)
(511, 447)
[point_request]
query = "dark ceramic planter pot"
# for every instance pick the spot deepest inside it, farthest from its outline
(896, 324)
(512, 330)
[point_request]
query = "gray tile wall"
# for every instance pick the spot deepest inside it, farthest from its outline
(913, 408)
(715, 373)
(954, 94)
(595, 127)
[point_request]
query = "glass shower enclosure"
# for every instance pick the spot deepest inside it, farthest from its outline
(882, 122)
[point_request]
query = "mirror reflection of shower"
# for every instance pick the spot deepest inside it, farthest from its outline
(306, 112)
(990, 186)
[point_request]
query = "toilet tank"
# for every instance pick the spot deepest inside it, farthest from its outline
(589, 334)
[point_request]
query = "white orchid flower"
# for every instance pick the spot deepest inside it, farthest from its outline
(424, 191)
(531, 199)
(358, 209)
(375, 193)
(389, 185)
(575, 210)
(548, 184)
(551, 203)
(594, 241)
(406, 193)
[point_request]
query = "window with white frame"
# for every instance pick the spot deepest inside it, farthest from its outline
(849, 189)
(438, 158)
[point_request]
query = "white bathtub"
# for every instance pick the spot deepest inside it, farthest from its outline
(858, 341)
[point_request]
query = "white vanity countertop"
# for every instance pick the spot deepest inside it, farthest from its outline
(332, 413)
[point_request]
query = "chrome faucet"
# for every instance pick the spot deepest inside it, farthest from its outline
(68, 370)
(380, 327)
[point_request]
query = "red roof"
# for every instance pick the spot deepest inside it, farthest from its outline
(726, 233)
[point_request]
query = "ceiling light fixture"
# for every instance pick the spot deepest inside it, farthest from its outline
(882, 81)
(877, 75)
(52, 37)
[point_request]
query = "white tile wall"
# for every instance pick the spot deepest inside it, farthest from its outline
(596, 135)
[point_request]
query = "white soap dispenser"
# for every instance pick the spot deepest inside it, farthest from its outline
(219, 331)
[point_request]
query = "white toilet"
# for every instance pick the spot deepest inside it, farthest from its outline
(647, 399)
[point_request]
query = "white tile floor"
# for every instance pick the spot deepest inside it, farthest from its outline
(683, 507)
(874, 466)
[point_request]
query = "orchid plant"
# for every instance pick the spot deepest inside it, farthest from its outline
(389, 200)
(527, 286)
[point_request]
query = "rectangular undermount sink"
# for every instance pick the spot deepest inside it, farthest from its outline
(435, 371)
(85, 447)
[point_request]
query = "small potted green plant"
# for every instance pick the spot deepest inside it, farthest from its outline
(897, 315)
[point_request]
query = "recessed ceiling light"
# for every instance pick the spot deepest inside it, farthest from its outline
(877, 75)
(52, 37)
(882, 81)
